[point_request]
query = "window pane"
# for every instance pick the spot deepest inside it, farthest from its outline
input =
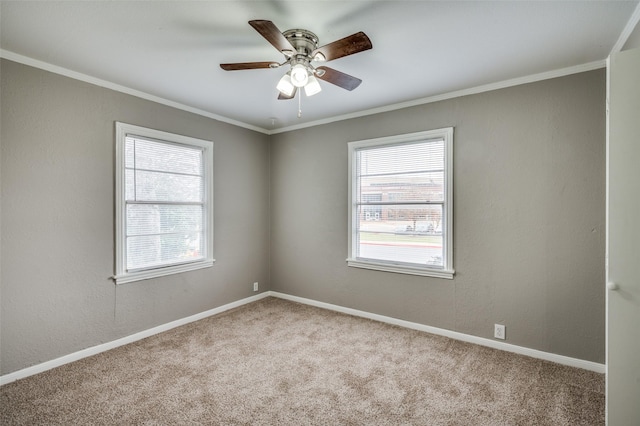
(405, 172)
(153, 250)
(155, 186)
(427, 186)
(152, 155)
(144, 219)
(401, 233)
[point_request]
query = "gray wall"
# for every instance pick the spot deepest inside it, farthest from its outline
(58, 218)
(633, 41)
(529, 217)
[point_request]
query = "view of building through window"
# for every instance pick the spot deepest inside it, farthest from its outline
(400, 203)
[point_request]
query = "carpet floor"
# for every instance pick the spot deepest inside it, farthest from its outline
(275, 362)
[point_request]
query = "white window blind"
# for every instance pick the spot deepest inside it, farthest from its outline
(401, 205)
(164, 204)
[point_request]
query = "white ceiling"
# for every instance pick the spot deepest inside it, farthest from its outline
(421, 49)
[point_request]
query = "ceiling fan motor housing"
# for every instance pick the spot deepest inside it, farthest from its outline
(304, 41)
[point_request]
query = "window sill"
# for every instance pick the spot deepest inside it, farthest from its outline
(401, 269)
(161, 272)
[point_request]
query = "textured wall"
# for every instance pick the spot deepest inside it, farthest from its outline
(58, 218)
(529, 217)
(633, 41)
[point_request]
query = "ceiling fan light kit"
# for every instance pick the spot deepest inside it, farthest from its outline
(312, 87)
(300, 48)
(285, 86)
(299, 75)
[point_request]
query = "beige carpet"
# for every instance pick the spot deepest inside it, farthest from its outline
(275, 362)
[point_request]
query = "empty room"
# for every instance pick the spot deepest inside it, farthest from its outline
(320, 212)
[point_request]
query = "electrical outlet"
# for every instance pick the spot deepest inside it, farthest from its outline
(499, 331)
(255, 286)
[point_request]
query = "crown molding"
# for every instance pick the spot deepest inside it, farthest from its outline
(6, 54)
(393, 107)
(450, 95)
(628, 29)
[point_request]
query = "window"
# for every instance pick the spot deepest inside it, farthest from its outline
(401, 203)
(164, 203)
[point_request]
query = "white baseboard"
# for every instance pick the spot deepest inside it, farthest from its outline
(534, 353)
(94, 350)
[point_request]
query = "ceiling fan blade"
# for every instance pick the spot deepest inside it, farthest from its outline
(273, 35)
(249, 66)
(349, 45)
(282, 96)
(338, 78)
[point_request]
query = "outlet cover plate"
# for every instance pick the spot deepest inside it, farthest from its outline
(499, 331)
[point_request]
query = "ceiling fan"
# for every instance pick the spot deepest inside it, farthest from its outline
(300, 48)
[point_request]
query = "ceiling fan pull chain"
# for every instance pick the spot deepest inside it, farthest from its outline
(300, 105)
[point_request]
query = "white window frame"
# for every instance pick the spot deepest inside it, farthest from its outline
(122, 275)
(447, 270)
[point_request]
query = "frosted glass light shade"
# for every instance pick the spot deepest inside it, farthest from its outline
(312, 87)
(285, 86)
(299, 75)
